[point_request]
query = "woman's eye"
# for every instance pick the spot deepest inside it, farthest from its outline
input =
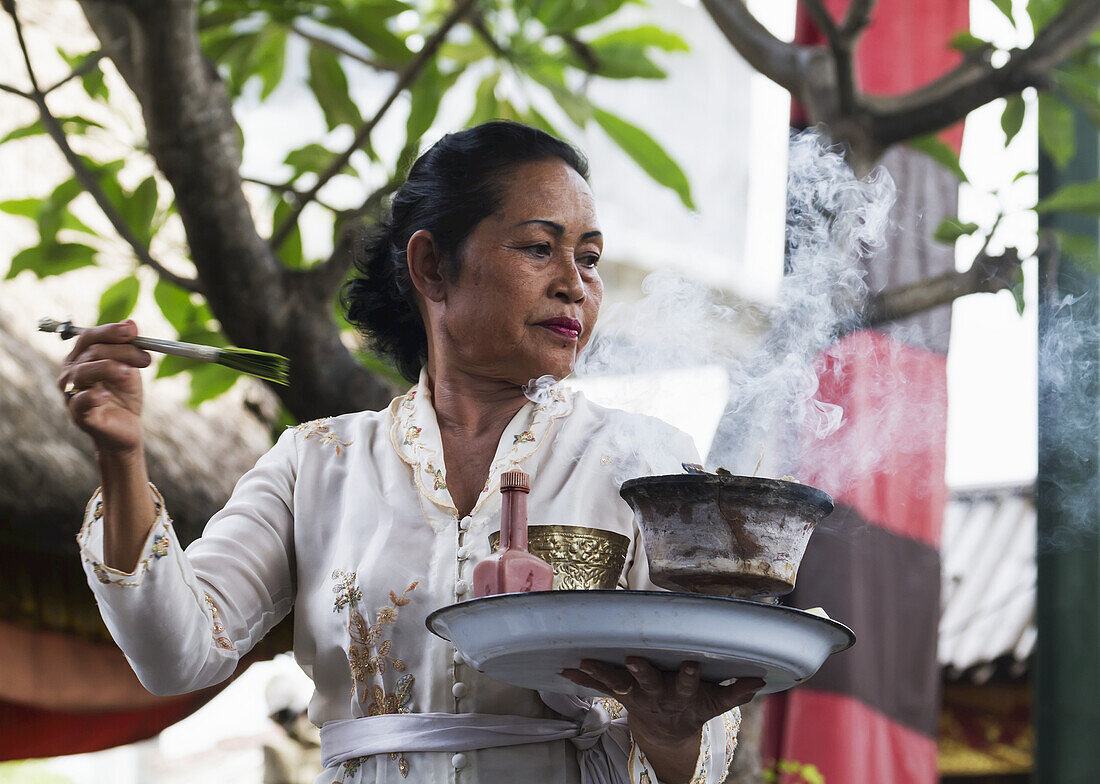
(589, 261)
(542, 250)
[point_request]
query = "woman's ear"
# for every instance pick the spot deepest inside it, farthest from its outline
(426, 266)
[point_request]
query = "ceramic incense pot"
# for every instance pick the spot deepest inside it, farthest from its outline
(725, 535)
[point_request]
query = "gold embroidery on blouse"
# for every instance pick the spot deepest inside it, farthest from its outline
(217, 631)
(157, 549)
(412, 434)
(350, 767)
(320, 427)
(614, 708)
(526, 437)
(370, 656)
(700, 776)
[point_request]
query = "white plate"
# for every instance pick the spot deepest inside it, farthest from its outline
(526, 639)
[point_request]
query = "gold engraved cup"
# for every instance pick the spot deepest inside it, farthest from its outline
(583, 559)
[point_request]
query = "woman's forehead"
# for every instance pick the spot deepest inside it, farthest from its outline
(548, 190)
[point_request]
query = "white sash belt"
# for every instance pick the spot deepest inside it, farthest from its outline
(603, 743)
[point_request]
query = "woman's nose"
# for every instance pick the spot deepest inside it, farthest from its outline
(568, 285)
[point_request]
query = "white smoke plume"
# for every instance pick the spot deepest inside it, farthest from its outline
(835, 222)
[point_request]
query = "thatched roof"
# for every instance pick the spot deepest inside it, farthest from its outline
(47, 473)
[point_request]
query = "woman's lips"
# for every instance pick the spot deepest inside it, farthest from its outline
(566, 327)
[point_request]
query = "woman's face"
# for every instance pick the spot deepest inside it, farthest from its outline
(528, 292)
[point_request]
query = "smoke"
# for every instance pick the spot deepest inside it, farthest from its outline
(835, 224)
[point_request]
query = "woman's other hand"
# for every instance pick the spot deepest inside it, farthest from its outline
(667, 710)
(102, 386)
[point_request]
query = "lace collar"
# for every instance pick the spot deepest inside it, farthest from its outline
(416, 437)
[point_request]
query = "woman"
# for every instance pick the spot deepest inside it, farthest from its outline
(484, 279)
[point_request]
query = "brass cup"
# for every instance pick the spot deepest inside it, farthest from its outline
(583, 559)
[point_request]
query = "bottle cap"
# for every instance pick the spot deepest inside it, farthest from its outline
(515, 480)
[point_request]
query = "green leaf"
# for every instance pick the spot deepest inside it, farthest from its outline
(425, 96)
(1080, 83)
(621, 61)
(171, 365)
(33, 129)
(139, 208)
(551, 76)
(330, 88)
(1078, 197)
(1042, 11)
(92, 81)
(270, 56)
(536, 119)
(1012, 118)
(1056, 130)
(966, 41)
(313, 158)
(466, 53)
(366, 22)
(1018, 293)
(118, 301)
(181, 311)
(290, 252)
(209, 380)
(1005, 7)
(51, 259)
(1021, 174)
(485, 100)
(950, 229)
(646, 153)
(55, 214)
(647, 35)
(95, 85)
(938, 150)
(25, 208)
(76, 125)
(559, 15)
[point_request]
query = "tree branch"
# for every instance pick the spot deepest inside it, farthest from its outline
(856, 19)
(951, 97)
(83, 174)
(282, 187)
(317, 40)
(7, 88)
(782, 62)
(192, 136)
(405, 80)
(841, 48)
(86, 67)
(329, 275)
(988, 274)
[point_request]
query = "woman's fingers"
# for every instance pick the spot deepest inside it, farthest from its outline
(648, 677)
(614, 679)
(687, 680)
(587, 681)
(127, 353)
(738, 693)
(108, 371)
(120, 332)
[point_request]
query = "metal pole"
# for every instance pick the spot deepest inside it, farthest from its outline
(1067, 660)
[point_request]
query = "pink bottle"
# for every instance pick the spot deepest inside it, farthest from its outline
(512, 569)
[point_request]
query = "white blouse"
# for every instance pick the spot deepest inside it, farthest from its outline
(348, 520)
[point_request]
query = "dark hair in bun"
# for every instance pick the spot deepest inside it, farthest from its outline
(450, 189)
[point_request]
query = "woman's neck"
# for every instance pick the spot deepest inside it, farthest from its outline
(471, 404)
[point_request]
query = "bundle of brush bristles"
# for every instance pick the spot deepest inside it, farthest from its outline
(269, 367)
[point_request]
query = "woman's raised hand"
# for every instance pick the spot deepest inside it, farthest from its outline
(667, 710)
(102, 385)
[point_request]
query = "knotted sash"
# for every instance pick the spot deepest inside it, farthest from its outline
(603, 743)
